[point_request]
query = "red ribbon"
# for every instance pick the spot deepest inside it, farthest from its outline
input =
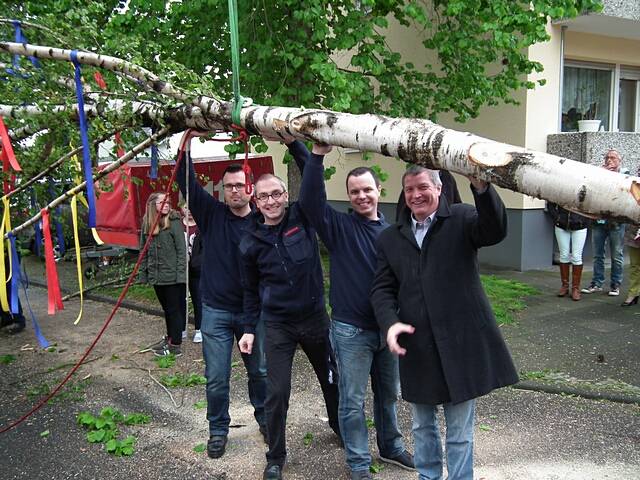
(53, 284)
(8, 157)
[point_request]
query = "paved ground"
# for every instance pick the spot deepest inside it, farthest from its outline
(589, 347)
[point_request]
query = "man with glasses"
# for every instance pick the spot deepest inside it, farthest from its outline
(613, 232)
(221, 226)
(282, 277)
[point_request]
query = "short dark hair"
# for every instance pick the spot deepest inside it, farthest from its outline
(235, 168)
(359, 171)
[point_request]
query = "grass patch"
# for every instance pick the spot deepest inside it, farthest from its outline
(71, 392)
(136, 292)
(506, 297)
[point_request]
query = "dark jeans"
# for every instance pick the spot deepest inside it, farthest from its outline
(196, 298)
(281, 340)
(172, 299)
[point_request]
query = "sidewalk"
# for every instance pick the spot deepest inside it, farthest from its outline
(588, 348)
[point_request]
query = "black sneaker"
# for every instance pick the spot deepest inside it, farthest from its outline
(15, 328)
(272, 471)
(216, 446)
(159, 345)
(403, 460)
(263, 432)
(361, 475)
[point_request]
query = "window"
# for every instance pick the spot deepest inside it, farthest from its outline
(609, 93)
(586, 95)
(629, 100)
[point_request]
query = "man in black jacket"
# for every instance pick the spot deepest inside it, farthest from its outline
(282, 278)
(428, 297)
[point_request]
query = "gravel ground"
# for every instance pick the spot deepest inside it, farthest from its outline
(519, 434)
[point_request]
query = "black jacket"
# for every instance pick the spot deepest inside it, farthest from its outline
(457, 351)
(280, 270)
(567, 220)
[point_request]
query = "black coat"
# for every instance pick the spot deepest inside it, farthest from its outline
(457, 351)
(567, 220)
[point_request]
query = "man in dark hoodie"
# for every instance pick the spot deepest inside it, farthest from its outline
(221, 226)
(360, 347)
(282, 277)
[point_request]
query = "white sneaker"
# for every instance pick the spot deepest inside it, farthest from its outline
(197, 337)
(184, 334)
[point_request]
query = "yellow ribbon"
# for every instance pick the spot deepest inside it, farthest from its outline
(76, 162)
(5, 226)
(74, 217)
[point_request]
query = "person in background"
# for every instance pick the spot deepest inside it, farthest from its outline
(194, 247)
(571, 234)
(613, 232)
(164, 267)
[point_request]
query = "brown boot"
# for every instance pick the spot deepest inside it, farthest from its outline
(576, 275)
(564, 276)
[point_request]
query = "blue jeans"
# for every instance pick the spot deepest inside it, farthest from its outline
(360, 353)
(615, 235)
(428, 448)
(218, 330)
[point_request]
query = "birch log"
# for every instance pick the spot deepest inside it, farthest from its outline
(574, 185)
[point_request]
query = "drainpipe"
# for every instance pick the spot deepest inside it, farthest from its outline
(562, 30)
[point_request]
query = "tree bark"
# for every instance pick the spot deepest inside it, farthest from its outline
(576, 186)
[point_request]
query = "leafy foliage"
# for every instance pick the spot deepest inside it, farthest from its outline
(338, 54)
(104, 429)
(7, 359)
(183, 380)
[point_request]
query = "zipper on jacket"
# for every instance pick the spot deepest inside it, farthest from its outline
(284, 265)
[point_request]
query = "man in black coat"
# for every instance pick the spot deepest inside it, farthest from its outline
(428, 297)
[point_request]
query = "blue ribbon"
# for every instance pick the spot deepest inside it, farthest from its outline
(15, 276)
(56, 221)
(38, 226)
(84, 135)
(20, 38)
(153, 172)
(16, 280)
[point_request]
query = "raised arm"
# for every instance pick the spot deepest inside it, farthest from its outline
(489, 225)
(313, 195)
(201, 203)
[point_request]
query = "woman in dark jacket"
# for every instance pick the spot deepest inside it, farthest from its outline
(163, 266)
(571, 234)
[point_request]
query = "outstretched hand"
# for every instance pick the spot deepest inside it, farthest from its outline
(321, 148)
(394, 332)
(185, 141)
(479, 185)
(246, 343)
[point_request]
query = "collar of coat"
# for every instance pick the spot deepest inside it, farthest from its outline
(404, 224)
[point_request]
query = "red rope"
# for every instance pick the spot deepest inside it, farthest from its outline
(43, 401)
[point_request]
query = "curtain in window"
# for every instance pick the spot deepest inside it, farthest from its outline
(586, 96)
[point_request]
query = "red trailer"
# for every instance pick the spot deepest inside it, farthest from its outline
(119, 211)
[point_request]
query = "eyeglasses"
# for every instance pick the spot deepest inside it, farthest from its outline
(264, 196)
(229, 187)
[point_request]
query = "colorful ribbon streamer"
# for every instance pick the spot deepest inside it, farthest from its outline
(38, 226)
(21, 38)
(74, 217)
(5, 226)
(83, 200)
(8, 158)
(84, 135)
(153, 171)
(15, 275)
(53, 284)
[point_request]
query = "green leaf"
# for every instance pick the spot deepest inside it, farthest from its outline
(200, 404)
(307, 439)
(200, 448)
(7, 359)
(111, 445)
(484, 428)
(96, 436)
(45, 433)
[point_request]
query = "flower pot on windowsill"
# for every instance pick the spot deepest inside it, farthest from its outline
(588, 125)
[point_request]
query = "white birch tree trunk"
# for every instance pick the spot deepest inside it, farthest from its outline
(573, 185)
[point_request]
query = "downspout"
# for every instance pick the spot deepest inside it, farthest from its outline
(563, 28)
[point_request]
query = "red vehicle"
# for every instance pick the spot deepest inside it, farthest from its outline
(119, 212)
